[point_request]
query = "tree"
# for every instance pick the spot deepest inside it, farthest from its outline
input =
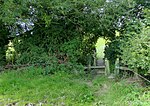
(136, 49)
(136, 52)
(62, 28)
(130, 24)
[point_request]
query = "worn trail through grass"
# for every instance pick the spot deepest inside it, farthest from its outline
(30, 86)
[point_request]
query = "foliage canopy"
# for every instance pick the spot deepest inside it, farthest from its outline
(60, 31)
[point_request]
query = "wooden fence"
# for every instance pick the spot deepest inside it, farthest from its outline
(118, 68)
(104, 69)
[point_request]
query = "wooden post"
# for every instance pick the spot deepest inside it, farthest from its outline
(89, 67)
(107, 68)
(94, 57)
(117, 66)
(94, 61)
(89, 63)
(136, 73)
(149, 70)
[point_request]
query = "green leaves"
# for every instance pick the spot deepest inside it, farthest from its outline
(136, 52)
(64, 26)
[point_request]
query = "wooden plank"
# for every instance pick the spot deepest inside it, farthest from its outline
(134, 71)
(95, 67)
(116, 71)
(124, 68)
(100, 72)
(107, 68)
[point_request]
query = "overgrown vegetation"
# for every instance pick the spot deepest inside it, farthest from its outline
(61, 36)
(65, 30)
(131, 45)
(139, 52)
(32, 86)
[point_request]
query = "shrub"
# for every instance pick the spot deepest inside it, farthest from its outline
(136, 52)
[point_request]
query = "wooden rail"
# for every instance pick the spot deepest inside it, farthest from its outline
(124, 68)
(106, 68)
(95, 67)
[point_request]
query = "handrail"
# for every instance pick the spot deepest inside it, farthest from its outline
(128, 69)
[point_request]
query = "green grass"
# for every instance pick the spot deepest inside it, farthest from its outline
(30, 86)
(63, 89)
(120, 93)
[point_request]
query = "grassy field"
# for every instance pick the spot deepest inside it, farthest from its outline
(63, 89)
(31, 86)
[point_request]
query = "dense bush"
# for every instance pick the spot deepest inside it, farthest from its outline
(59, 31)
(67, 29)
(64, 30)
(136, 52)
